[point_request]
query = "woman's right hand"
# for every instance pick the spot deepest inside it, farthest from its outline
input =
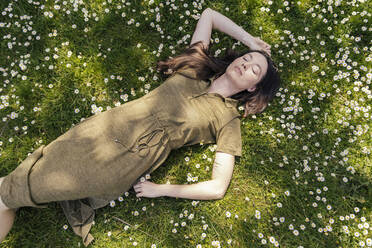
(147, 189)
(258, 44)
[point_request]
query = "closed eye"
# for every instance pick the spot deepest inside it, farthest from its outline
(249, 57)
(256, 70)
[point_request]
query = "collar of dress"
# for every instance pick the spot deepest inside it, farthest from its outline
(229, 102)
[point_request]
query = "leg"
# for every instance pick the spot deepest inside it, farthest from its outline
(7, 216)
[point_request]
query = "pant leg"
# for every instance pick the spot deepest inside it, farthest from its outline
(15, 189)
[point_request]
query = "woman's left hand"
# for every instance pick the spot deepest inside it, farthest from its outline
(147, 189)
(259, 44)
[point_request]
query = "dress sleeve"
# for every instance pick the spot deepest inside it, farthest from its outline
(229, 138)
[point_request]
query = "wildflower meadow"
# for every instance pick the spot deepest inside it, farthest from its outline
(304, 179)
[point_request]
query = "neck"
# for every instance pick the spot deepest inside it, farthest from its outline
(222, 86)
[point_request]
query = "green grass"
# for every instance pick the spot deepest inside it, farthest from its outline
(315, 135)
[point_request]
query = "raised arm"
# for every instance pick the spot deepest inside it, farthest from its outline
(211, 19)
(203, 28)
(207, 190)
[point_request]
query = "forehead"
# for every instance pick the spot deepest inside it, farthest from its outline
(258, 58)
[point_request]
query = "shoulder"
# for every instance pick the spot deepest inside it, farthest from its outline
(229, 116)
(232, 122)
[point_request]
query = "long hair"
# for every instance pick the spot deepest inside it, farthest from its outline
(198, 58)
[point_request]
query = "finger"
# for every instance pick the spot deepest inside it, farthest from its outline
(139, 195)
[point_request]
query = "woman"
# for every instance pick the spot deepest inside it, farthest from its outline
(102, 157)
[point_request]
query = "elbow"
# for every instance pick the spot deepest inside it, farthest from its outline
(219, 190)
(207, 11)
(220, 193)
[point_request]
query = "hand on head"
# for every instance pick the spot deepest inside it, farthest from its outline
(259, 44)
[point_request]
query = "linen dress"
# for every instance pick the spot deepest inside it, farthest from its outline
(100, 158)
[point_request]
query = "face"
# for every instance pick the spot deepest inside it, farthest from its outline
(246, 71)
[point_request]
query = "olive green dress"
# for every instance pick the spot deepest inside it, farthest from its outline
(100, 158)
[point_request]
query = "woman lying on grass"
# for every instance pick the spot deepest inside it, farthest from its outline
(104, 156)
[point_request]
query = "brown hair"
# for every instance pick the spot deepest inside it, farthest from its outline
(198, 58)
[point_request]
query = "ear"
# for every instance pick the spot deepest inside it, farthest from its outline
(251, 89)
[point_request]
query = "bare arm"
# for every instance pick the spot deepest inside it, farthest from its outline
(211, 19)
(208, 190)
(203, 28)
